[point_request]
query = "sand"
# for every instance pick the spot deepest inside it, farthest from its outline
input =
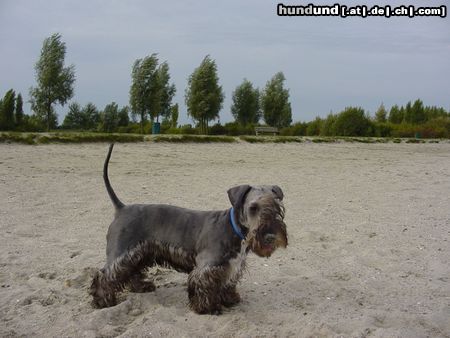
(368, 226)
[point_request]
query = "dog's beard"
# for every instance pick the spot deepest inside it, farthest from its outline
(268, 231)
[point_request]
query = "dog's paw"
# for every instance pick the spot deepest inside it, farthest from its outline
(102, 302)
(205, 306)
(229, 296)
(214, 312)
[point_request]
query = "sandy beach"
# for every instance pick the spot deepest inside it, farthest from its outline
(368, 226)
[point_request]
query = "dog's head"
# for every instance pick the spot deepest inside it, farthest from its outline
(260, 210)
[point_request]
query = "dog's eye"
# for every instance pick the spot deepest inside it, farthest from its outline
(253, 208)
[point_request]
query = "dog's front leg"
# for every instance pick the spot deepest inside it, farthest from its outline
(204, 289)
(138, 283)
(102, 290)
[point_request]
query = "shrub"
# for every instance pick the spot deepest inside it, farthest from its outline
(382, 129)
(352, 122)
(297, 129)
(217, 129)
(172, 131)
(403, 130)
(436, 128)
(313, 128)
(135, 128)
(329, 126)
(235, 129)
(188, 130)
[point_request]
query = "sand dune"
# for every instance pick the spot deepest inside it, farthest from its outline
(368, 225)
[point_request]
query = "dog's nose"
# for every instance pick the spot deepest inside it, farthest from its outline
(269, 238)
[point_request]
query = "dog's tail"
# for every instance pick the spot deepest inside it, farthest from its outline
(117, 203)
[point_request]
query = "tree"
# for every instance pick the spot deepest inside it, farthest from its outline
(395, 115)
(174, 113)
(297, 129)
(19, 110)
(328, 127)
(8, 105)
(165, 93)
(275, 102)
(74, 118)
(91, 116)
(82, 119)
(245, 107)
(416, 113)
(381, 113)
(54, 81)
(110, 118)
(407, 116)
(434, 112)
(349, 122)
(143, 77)
(204, 97)
(314, 127)
(150, 92)
(123, 117)
(352, 122)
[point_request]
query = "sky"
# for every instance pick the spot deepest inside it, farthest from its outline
(329, 62)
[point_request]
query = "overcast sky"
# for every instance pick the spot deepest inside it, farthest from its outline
(329, 63)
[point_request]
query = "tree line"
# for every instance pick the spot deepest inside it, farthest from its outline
(151, 95)
(412, 120)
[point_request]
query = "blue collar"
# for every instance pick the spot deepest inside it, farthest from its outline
(236, 229)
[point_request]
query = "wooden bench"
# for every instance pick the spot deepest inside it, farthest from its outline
(262, 130)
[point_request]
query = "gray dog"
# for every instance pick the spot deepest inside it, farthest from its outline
(209, 245)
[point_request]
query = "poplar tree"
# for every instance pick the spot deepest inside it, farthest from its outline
(174, 113)
(245, 107)
(19, 110)
(164, 93)
(204, 96)
(143, 87)
(8, 105)
(124, 119)
(275, 102)
(110, 118)
(54, 81)
(150, 92)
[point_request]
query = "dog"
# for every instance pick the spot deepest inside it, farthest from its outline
(211, 246)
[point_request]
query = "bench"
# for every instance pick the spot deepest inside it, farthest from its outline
(271, 130)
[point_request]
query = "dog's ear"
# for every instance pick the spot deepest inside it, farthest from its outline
(237, 195)
(277, 192)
